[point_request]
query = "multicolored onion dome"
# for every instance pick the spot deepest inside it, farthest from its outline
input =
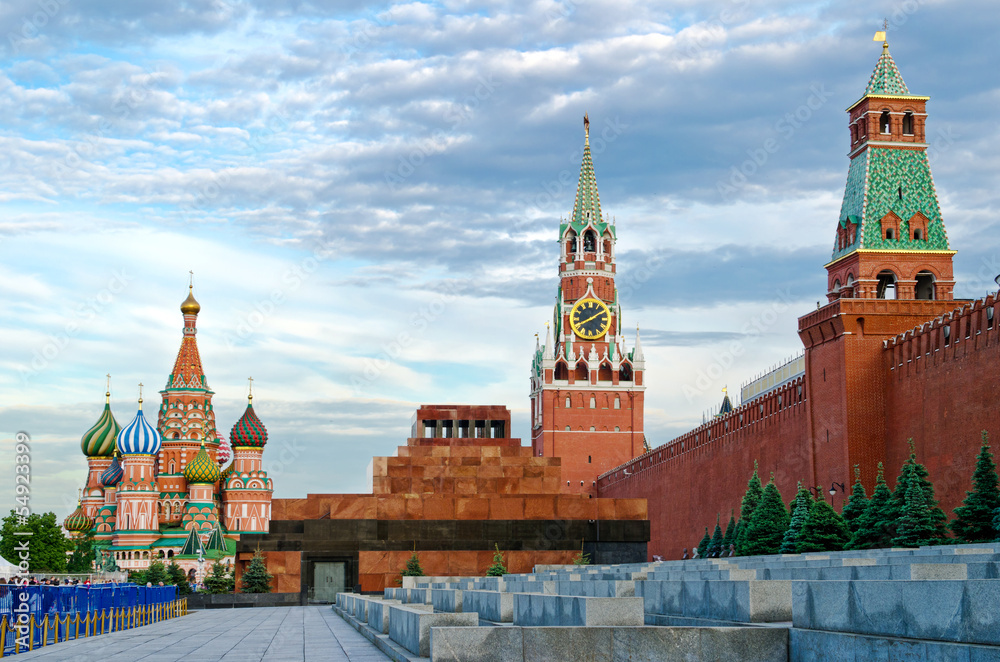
(190, 305)
(248, 431)
(228, 471)
(113, 474)
(99, 440)
(225, 452)
(139, 437)
(78, 520)
(202, 469)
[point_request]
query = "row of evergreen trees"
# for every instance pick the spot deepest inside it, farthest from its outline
(907, 516)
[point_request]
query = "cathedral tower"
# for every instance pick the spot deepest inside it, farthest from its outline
(98, 444)
(136, 519)
(891, 241)
(586, 386)
(247, 488)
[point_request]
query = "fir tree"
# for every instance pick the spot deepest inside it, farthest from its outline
(83, 556)
(715, 545)
(874, 522)
(974, 518)
(703, 545)
(498, 569)
(256, 578)
(913, 471)
(156, 573)
(751, 498)
(768, 523)
(996, 523)
(824, 529)
(220, 580)
(856, 503)
(800, 510)
(413, 568)
(178, 578)
(916, 526)
(730, 537)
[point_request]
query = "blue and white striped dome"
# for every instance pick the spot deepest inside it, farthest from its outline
(139, 437)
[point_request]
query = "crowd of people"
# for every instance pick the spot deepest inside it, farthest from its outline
(720, 554)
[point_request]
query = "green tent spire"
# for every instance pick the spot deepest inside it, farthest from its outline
(886, 78)
(587, 206)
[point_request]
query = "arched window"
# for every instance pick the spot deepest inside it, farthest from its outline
(618, 402)
(562, 372)
(571, 243)
(582, 372)
(569, 402)
(908, 124)
(886, 287)
(625, 373)
(617, 429)
(171, 470)
(589, 242)
(604, 373)
(848, 287)
(918, 234)
(883, 123)
(593, 401)
(567, 428)
(890, 233)
(925, 286)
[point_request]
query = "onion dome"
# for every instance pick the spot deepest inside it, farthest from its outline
(248, 431)
(139, 436)
(113, 474)
(99, 440)
(228, 471)
(225, 452)
(201, 469)
(78, 520)
(190, 305)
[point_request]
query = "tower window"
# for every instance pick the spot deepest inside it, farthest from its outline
(617, 429)
(618, 401)
(883, 123)
(604, 373)
(562, 373)
(593, 429)
(569, 402)
(582, 373)
(886, 287)
(890, 233)
(908, 124)
(588, 459)
(567, 428)
(593, 402)
(925, 285)
(589, 242)
(918, 234)
(625, 373)
(989, 318)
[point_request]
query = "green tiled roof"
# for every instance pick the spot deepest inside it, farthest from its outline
(886, 78)
(587, 206)
(882, 180)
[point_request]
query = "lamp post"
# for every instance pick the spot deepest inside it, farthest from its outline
(201, 565)
(833, 491)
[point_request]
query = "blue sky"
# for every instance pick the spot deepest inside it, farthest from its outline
(368, 195)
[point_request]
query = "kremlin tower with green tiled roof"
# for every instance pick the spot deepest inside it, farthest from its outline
(585, 363)
(891, 241)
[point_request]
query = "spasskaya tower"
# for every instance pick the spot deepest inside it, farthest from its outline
(586, 385)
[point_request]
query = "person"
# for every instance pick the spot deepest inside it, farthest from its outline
(149, 584)
(684, 556)
(161, 583)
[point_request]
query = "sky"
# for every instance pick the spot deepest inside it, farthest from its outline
(369, 195)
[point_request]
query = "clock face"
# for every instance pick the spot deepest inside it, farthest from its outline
(590, 318)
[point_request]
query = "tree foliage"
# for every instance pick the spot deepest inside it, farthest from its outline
(177, 577)
(703, 545)
(915, 472)
(256, 578)
(874, 523)
(715, 544)
(47, 545)
(413, 568)
(974, 518)
(751, 498)
(856, 503)
(84, 554)
(730, 537)
(767, 526)
(220, 579)
(498, 569)
(824, 529)
(800, 510)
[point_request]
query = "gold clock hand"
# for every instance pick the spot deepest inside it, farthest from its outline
(590, 318)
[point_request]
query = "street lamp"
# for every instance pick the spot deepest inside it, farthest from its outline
(834, 486)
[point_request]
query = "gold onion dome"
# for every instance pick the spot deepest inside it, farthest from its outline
(202, 469)
(190, 305)
(99, 440)
(78, 520)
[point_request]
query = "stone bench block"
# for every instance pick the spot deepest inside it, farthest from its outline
(538, 610)
(476, 644)
(598, 588)
(378, 615)
(410, 627)
(758, 601)
(446, 599)
(938, 571)
(419, 596)
(490, 605)
(939, 610)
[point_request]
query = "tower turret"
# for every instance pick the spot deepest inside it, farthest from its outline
(891, 241)
(587, 394)
(247, 489)
(98, 444)
(137, 519)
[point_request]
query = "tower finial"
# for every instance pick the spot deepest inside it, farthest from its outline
(880, 35)
(191, 280)
(250, 394)
(107, 394)
(140, 395)
(586, 127)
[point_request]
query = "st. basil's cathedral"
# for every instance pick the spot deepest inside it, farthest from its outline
(177, 490)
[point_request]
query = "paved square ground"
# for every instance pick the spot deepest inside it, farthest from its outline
(276, 634)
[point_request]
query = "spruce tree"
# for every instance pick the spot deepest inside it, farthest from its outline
(916, 525)
(996, 523)
(913, 471)
(178, 578)
(874, 522)
(856, 503)
(413, 568)
(800, 510)
(715, 546)
(824, 529)
(156, 573)
(219, 579)
(730, 537)
(256, 578)
(703, 545)
(751, 498)
(498, 569)
(768, 523)
(974, 518)
(83, 556)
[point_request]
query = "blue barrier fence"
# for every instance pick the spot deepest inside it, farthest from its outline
(99, 601)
